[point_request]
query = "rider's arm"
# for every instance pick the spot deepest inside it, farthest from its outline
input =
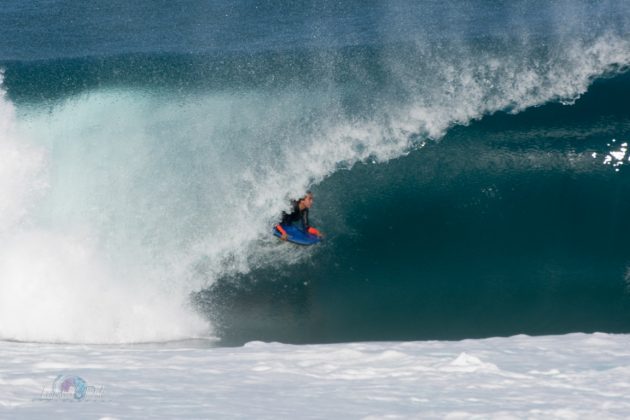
(281, 230)
(313, 231)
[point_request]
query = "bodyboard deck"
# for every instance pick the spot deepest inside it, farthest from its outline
(297, 236)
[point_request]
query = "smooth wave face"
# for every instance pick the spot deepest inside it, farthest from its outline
(157, 169)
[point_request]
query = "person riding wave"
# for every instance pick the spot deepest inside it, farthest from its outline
(299, 213)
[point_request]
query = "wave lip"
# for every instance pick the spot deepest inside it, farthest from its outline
(119, 197)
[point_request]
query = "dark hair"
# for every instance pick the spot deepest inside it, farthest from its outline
(308, 192)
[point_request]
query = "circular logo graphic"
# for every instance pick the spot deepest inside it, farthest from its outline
(64, 383)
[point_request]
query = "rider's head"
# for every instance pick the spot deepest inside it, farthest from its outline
(307, 200)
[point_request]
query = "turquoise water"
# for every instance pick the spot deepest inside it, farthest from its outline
(507, 226)
(465, 158)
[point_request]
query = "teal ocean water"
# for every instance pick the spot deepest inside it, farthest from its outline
(468, 161)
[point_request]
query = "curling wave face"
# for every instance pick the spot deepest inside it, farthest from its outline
(147, 173)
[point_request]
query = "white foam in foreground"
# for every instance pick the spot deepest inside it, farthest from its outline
(570, 376)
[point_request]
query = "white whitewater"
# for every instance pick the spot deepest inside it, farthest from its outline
(115, 202)
(554, 377)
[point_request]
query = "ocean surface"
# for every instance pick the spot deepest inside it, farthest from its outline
(470, 167)
(571, 376)
(468, 160)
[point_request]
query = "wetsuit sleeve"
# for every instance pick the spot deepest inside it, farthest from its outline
(313, 231)
(281, 230)
(305, 225)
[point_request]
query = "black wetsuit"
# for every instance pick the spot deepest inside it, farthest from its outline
(296, 215)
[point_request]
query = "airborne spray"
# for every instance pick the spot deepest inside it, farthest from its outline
(158, 186)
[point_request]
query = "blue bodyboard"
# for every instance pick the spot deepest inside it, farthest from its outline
(297, 236)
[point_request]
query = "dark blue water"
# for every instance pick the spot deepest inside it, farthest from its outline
(507, 226)
(48, 29)
(456, 151)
